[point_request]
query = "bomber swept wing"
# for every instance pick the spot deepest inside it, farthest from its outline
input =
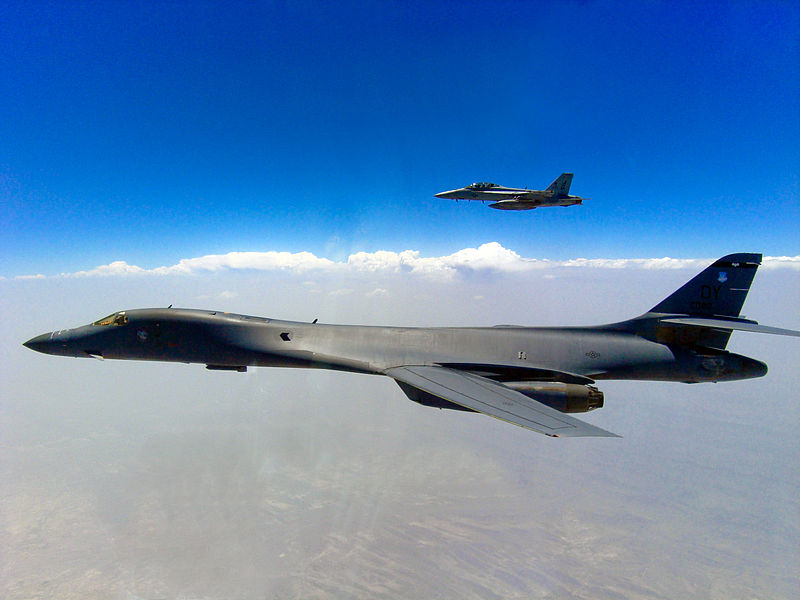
(494, 399)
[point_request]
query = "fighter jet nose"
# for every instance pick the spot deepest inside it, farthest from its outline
(40, 343)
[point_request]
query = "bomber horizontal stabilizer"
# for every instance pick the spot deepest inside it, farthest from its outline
(731, 325)
(494, 399)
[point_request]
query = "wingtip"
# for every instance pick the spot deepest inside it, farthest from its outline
(606, 433)
(585, 430)
(594, 431)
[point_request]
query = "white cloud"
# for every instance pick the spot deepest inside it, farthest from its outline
(639, 263)
(488, 257)
(118, 267)
(772, 262)
(223, 295)
(261, 261)
(340, 292)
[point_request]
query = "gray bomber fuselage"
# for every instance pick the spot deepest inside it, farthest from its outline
(504, 353)
(528, 376)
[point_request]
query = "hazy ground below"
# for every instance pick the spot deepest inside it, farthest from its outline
(132, 480)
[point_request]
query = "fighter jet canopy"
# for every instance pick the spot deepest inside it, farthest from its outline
(482, 185)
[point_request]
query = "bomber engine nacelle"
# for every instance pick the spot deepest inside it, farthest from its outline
(564, 397)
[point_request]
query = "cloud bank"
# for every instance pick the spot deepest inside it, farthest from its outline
(491, 256)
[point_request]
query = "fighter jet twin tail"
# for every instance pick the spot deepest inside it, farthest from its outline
(505, 198)
(527, 376)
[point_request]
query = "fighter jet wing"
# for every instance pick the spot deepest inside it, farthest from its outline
(493, 399)
(731, 325)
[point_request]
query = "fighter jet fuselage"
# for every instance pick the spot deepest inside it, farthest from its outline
(506, 198)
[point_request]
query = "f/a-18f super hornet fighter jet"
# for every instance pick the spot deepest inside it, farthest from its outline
(527, 376)
(505, 198)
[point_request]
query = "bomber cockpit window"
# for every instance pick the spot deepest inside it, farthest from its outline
(119, 318)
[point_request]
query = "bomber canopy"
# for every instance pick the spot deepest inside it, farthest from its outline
(118, 318)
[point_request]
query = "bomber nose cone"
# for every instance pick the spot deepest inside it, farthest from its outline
(40, 343)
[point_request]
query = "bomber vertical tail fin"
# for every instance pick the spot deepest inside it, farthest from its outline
(704, 311)
(561, 185)
(719, 290)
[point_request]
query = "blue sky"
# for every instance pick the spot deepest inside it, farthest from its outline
(152, 132)
(233, 156)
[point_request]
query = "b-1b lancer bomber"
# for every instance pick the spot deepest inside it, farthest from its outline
(528, 376)
(505, 198)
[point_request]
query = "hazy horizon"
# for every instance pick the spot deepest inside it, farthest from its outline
(152, 480)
